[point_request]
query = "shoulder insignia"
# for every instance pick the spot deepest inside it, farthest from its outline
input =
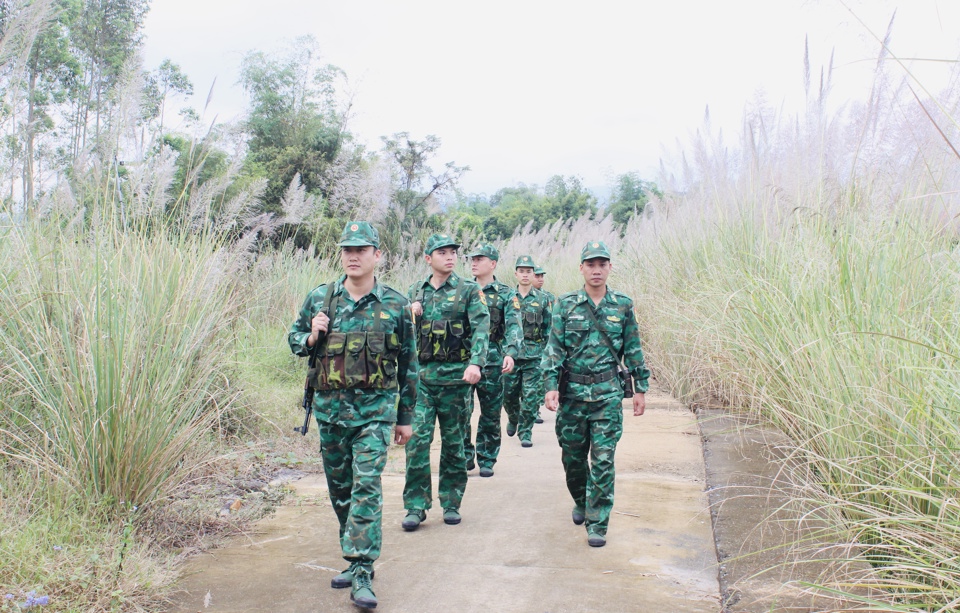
(483, 297)
(516, 302)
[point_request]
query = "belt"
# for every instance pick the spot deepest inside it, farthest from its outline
(591, 379)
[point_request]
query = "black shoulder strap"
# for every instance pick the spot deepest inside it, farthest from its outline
(603, 333)
(326, 309)
(456, 299)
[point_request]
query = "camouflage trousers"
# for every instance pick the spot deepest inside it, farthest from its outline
(490, 395)
(353, 460)
(449, 406)
(590, 431)
(522, 397)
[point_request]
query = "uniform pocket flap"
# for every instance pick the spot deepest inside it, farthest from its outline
(376, 342)
(336, 341)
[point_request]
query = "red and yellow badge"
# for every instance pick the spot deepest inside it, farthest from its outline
(516, 302)
(483, 297)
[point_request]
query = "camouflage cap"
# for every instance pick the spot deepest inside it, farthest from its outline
(524, 261)
(359, 234)
(486, 249)
(437, 241)
(538, 270)
(594, 249)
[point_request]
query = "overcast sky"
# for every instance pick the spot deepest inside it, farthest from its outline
(524, 89)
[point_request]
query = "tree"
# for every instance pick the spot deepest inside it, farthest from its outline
(417, 188)
(167, 80)
(629, 197)
(296, 125)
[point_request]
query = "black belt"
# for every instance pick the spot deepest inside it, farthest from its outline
(591, 379)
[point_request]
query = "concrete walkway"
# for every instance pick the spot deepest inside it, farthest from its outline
(516, 549)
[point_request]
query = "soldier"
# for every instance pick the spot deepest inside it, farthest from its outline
(521, 388)
(539, 278)
(505, 338)
(365, 386)
(452, 340)
(593, 329)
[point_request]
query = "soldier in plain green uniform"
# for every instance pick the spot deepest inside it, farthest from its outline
(539, 278)
(365, 392)
(521, 387)
(452, 338)
(506, 335)
(590, 411)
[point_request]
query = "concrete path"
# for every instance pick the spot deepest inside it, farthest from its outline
(516, 549)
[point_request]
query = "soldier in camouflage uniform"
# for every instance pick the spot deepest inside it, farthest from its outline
(452, 339)
(506, 335)
(590, 415)
(521, 387)
(539, 278)
(365, 387)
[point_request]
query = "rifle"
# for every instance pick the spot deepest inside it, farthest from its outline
(307, 403)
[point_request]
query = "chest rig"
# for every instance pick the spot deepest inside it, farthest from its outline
(356, 359)
(445, 340)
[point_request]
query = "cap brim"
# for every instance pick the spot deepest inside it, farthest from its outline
(357, 243)
(457, 245)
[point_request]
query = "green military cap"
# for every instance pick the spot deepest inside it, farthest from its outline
(538, 270)
(487, 250)
(524, 261)
(594, 249)
(437, 241)
(359, 234)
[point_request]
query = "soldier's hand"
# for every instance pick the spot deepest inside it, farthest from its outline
(416, 308)
(472, 374)
(318, 326)
(552, 401)
(402, 434)
(639, 404)
(507, 365)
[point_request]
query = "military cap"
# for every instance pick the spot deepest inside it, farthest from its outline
(538, 270)
(487, 250)
(524, 261)
(359, 234)
(594, 249)
(437, 241)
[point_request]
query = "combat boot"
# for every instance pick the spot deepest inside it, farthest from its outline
(526, 443)
(413, 519)
(577, 516)
(362, 593)
(345, 579)
(486, 471)
(511, 428)
(595, 539)
(451, 517)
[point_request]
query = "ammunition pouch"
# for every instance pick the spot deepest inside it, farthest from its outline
(357, 360)
(497, 326)
(626, 381)
(532, 320)
(444, 340)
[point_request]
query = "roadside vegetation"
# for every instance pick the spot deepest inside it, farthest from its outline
(806, 276)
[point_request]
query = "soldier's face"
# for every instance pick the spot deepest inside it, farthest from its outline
(538, 281)
(595, 271)
(443, 260)
(524, 276)
(482, 266)
(359, 261)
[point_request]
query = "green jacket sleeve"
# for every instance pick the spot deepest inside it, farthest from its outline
(301, 327)
(479, 316)
(554, 353)
(513, 327)
(633, 353)
(407, 369)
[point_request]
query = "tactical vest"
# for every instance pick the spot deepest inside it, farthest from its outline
(358, 359)
(532, 324)
(445, 340)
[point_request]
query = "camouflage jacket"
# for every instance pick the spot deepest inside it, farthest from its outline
(355, 407)
(502, 297)
(575, 344)
(534, 306)
(437, 305)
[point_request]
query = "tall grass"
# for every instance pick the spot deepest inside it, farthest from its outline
(813, 279)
